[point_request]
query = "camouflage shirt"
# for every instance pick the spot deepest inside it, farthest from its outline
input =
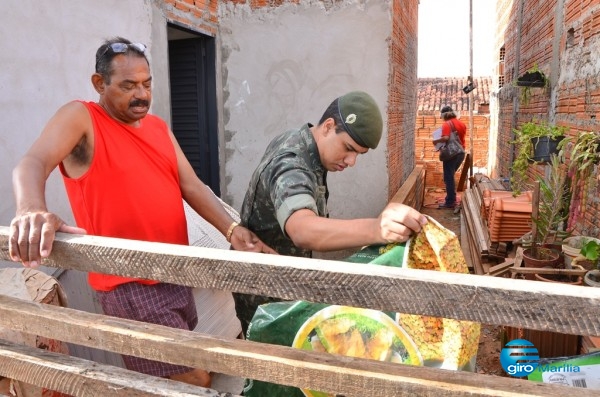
(290, 177)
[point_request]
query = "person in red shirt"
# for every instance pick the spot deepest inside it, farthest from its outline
(125, 177)
(451, 122)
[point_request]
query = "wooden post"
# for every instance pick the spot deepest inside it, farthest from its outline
(535, 209)
(472, 82)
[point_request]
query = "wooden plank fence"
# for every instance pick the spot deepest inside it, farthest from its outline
(488, 300)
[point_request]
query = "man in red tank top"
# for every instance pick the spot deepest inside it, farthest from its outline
(126, 177)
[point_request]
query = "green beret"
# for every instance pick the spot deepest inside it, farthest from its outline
(361, 118)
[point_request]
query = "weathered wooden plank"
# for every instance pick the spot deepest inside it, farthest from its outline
(485, 183)
(460, 186)
(78, 377)
(501, 268)
(465, 243)
(347, 376)
(546, 270)
(475, 253)
(474, 242)
(477, 194)
(479, 231)
(496, 301)
(412, 190)
(420, 189)
(518, 261)
(467, 197)
(535, 209)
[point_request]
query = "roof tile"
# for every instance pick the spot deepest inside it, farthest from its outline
(436, 92)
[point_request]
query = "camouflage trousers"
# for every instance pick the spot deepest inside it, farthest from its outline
(246, 305)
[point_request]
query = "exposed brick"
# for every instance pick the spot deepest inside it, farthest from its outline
(577, 103)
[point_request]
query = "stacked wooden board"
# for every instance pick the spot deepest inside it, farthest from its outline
(412, 190)
(474, 232)
(492, 219)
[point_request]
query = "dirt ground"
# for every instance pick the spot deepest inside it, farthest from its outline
(488, 354)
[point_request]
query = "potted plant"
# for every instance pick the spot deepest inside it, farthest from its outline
(571, 247)
(591, 252)
(583, 152)
(535, 143)
(533, 77)
(550, 217)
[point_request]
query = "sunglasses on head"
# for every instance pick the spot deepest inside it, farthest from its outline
(120, 48)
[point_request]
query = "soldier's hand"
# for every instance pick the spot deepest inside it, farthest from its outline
(398, 222)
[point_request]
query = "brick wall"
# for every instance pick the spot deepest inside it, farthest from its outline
(561, 37)
(200, 15)
(426, 156)
(402, 93)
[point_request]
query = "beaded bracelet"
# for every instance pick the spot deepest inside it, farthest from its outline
(230, 231)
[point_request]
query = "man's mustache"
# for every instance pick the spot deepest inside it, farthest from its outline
(139, 102)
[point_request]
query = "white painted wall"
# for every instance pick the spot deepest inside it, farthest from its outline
(282, 67)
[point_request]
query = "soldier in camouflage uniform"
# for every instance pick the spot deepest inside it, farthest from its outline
(286, 201)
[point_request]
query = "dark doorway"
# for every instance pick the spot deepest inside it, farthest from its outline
(193, 102)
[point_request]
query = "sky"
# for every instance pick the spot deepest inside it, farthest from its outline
(444, 38)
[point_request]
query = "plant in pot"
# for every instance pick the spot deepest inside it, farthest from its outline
(535, 142)
(549, 216)
(533, 77)
(583, 152)
(571, 247)
(591, 252)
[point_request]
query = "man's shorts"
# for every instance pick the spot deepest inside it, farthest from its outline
(165, 304)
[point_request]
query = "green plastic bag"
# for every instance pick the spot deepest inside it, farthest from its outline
(272, 324)
(356, 332)
(278, 323)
